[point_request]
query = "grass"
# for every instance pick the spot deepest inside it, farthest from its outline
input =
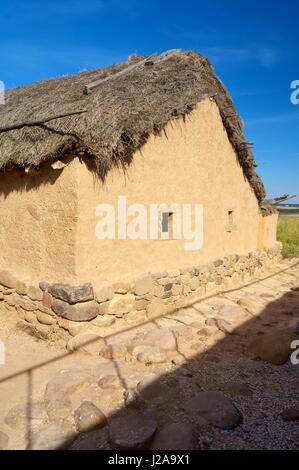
(288, 233)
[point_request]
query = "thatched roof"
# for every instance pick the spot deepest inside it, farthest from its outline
(120, 114)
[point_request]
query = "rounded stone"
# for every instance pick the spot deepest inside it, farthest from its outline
(150, 387)
(44, 318)
(89, 417)
(104, 320)
(53, 437)
(133, 399)
(88, 342)
(175, 436)
(156, 308)
(151, 355)
(35, 293)
(274, 347)
(120, 304)
(30, 317)
(135, 317)
(132, 431)
(144, 285)
(83, 311)
(160, 337)
(59, 408)
(112, 351)
(110, 381)
(103, 292)
(216, 409)
(72, 294)
(21, 415)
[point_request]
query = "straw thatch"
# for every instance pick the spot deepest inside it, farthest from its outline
(120, 114)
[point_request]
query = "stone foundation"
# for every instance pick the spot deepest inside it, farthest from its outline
(52, 307)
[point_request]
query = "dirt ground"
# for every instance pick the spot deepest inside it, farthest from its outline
(215, 351)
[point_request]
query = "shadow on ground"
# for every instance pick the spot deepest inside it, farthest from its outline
(240, 393)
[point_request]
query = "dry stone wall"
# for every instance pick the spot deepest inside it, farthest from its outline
(61, 306)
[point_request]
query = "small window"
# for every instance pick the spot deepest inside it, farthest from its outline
(230, 217)
(167, 224)
(231, 220)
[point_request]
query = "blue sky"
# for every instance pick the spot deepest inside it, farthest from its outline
(253, 47)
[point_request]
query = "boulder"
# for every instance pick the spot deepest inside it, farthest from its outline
(274, 347)
(150, 387)
(110, 381)
(136, 317)
(162, 338)
(133, 399)
(59, 306)
(72, 294)
(88, 417)
(35, 293)
(194, 283)
(7, 279)
(141, 304)
(80, 312)
(112, 351)
(218, 410)
(121, 304)
(218, 262)
(121, 287)
(44, 286)
(183, 331)
(104, 320)
(252, 303)
(224, 326)
(175, 436)
(151, 355)
(144, 285)
(21, 287)
(159, 275)
(44, 318)
(132, 431)
(37, 330)
(15, 299)
(47, 300)
(30, 317)
(20, 417)
(59, 409)
(66, 382)
(53, 437)
(227, 309)
(168, 286)
(156, 340)
(104, 292)
(87, 342)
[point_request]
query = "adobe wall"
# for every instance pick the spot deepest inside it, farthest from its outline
(191, 162)
(270, 230)
(38, 226)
